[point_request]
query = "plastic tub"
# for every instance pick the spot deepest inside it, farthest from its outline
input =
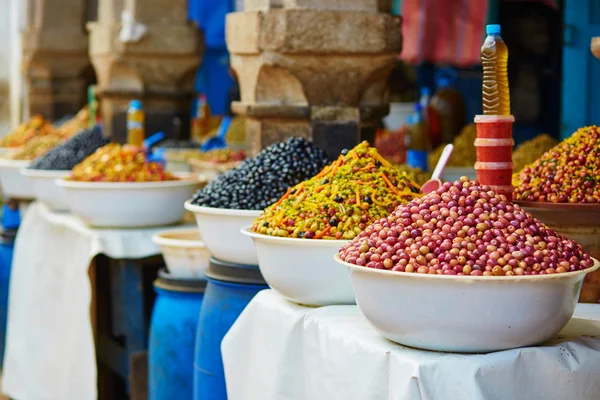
(494, 150)
(14, 184)
(221, 230)
(184, 252)
(303, 270)
(466, 314)
(494, 126)
(129, 205)
(45, 188)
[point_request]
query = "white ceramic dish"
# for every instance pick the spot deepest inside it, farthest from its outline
(303, 270)
(467, 314)
(14, 184)
(129, 205)
(184, 252)
(452, 174)
(45, 188)
(220, 229)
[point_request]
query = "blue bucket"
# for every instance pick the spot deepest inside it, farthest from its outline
(172, 337)
(230, 288)
(7, 243)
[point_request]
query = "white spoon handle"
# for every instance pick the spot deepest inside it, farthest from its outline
(441, 164)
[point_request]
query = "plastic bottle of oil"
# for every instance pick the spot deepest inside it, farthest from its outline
(419, 144)
(135, 124)
(494, 60)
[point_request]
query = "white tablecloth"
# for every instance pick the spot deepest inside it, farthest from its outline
(49, 344)
(278, 350)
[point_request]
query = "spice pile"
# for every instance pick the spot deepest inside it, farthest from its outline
(72, 152)
(36, 126)
(261, 180)
(339, 202)
(568, 173)
(39, 145)
(464, 229)
(415, 174)
(116, 163)
(464, 154)
(531, 150)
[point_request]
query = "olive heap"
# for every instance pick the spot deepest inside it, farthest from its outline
(339, 202)
(568, 173)
(261, 180)
(464, 228)
(72, 152)
(116, 163)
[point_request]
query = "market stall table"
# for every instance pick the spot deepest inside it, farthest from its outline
(50, 336)
(280, 350)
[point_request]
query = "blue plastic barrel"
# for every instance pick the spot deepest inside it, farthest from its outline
(173, 336)
(230, 288)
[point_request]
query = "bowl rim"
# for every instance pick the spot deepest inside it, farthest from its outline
(45, 173)
(467, 278)
(247, 231)
(221, 211)
(160, 240)
(20, 164)
(587, 207)
(126, 185)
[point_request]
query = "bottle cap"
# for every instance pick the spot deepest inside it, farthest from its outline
(135, 104)
(492, 29)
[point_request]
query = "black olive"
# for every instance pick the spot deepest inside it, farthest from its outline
(333, 222)
(377, 164)
(368, 200)
(338, 199)
(414, 189)
(344, 152)
(300, 235)
(266, 224)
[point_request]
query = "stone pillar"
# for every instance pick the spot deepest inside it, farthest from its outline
(55, 57)
(158, 68)
(313, 68)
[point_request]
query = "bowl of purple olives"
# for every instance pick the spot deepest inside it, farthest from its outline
(464, 270)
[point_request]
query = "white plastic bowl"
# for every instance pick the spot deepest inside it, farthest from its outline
(220, 229)
(14, 184)
(467, 314)
(184, 252)
(302, 270)
(45, 188)
(128, 205)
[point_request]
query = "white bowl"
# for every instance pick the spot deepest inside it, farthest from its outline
(45, 188)
(303, 270)
(184, 252)
(220, 229)
(14, 184)
(128, 204)
(453, 174)
(467, 314)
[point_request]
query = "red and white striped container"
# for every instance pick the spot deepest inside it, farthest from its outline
(494, 143)
(497, 175)
(494, 150)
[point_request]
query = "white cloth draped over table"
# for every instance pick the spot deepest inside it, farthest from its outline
(49, 344)
(278, 350)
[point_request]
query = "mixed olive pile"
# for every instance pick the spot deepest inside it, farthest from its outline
(36, 126)
(530, 150)
(339, 202)
(261, 180)
(38, 146)
(116, 163)
(72, 152)
(415, 174)
(568, 173)
(464, 229)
